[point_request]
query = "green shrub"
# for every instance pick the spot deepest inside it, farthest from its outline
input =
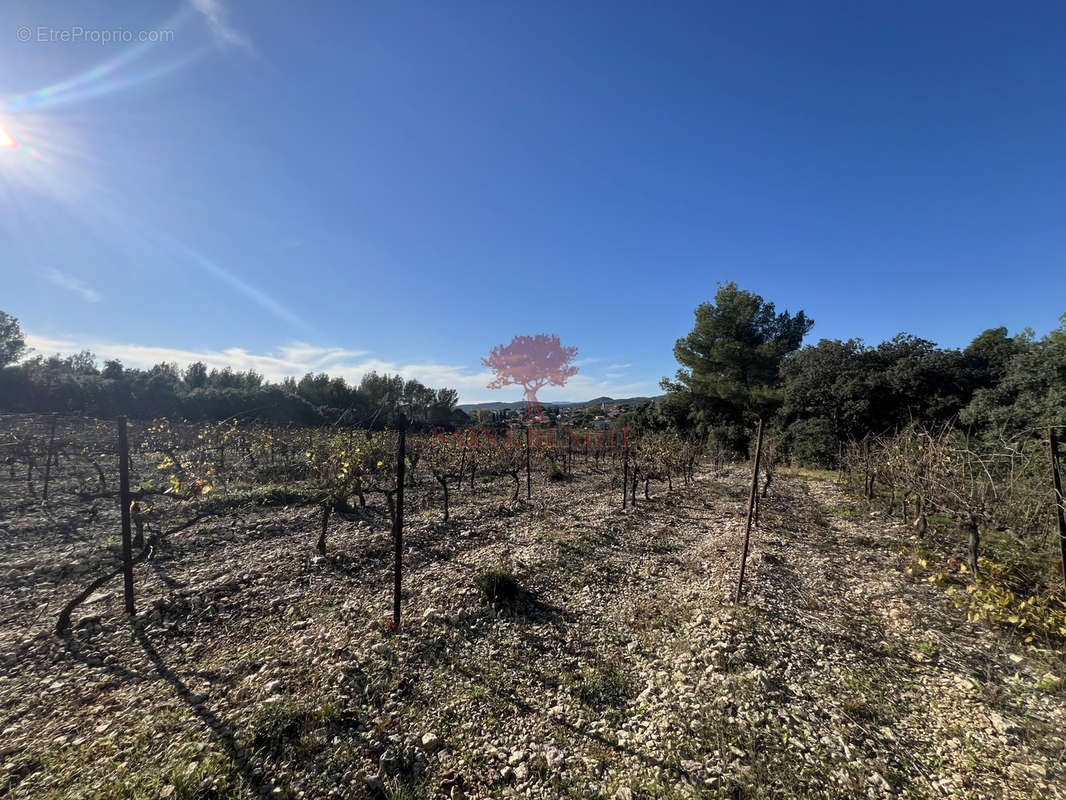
(557, 473)
(497, 585)
(812, 442)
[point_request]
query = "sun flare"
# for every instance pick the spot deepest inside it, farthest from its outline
(7, 142)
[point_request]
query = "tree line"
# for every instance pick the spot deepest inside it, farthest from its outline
(77, 384)
(744, 361)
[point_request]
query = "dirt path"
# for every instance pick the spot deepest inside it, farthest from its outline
(894, 690)
(620, 670)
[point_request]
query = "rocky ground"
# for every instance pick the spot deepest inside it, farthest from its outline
(256, 668)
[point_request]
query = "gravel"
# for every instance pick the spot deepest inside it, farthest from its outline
(257, 668)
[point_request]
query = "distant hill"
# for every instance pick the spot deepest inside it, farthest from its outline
(626, 401)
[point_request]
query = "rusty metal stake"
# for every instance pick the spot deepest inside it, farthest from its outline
(751, 508)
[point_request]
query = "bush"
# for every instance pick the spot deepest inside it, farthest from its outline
(557, 473)
(729, 441)
(813, 443)
(497, 586)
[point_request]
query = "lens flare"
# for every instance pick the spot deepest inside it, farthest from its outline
(113, 75)
(49, 157)
(44, 153)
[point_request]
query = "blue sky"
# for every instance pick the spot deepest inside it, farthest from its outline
(401, 186)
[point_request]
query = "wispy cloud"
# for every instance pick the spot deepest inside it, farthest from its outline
(298, 358)
(223, 274)
(72, 284)
(293, 360)
(217, 17)
(619, 366)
